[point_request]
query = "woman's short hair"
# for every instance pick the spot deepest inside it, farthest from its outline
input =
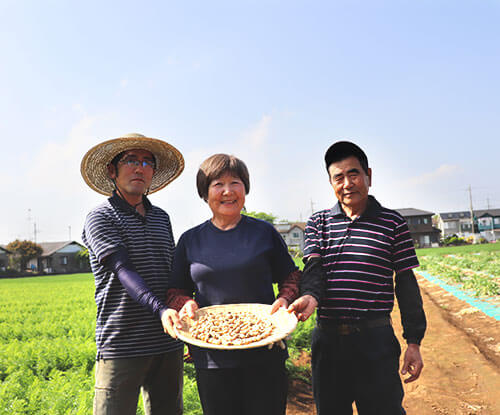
(216, 166)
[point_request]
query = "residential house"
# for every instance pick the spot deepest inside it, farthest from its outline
(455, 223)
(292, 233)
(486, 222)
(424, 235)
(4, 258)
(59, 258)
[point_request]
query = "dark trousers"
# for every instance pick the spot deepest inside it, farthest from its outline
(260, 390)
(361, 367)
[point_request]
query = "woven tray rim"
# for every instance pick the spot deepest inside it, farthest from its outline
(284, 322)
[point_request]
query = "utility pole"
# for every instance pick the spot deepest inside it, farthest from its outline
(69, 229)
(35, 231)
(471, 210)
(29, 222)
(312, 207)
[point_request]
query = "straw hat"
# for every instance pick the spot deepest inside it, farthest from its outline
(94, 167)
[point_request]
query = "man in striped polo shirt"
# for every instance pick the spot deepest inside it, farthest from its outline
(357, 255)
(131, 248)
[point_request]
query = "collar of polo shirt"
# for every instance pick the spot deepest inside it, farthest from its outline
(373, 208)
(124, 206)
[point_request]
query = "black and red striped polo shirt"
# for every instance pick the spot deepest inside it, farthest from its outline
(359, 259)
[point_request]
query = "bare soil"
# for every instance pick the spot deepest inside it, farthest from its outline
(461, 353)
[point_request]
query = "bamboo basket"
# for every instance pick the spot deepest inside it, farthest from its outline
(283, 321)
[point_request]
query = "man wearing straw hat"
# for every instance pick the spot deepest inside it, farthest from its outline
(131, 246)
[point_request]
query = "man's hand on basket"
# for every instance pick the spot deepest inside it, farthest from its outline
(279, 303)
(169, 319)
(303, 307)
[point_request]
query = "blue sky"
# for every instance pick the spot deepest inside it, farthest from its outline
(416, 84)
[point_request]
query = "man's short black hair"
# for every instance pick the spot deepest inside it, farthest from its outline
(343, 149)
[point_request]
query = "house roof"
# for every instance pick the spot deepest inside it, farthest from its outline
(300, 225)
(487, 212)
(50, 248)
(466, 214)
(285, 227)
(455, 215)
(407, 212)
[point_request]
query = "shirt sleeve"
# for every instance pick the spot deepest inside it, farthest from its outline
(101, 235)
(312, 240)
(403, 256)
(313, 279)
(410, 306)
(136, 287)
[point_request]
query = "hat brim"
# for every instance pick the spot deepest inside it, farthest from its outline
(94, 166)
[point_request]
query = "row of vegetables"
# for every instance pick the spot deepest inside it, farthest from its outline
(476, 273)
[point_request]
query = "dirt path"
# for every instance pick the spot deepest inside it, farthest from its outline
(461, 352)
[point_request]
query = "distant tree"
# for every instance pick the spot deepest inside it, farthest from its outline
(435, 221)
(23, 251)
(268, 217)
(83, 256)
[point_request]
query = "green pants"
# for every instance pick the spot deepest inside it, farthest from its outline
(158, 377)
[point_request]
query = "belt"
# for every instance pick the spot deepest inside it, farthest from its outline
(344, 329)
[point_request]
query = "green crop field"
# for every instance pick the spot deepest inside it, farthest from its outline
(473, 268)
(46, 345)
(47, 349)
(455, 250)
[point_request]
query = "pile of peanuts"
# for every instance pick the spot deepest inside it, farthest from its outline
(230, 328)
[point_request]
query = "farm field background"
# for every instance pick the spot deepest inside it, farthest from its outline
(474, 269)
(47, 348)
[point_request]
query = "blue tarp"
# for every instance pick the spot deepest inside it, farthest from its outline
(487, 308)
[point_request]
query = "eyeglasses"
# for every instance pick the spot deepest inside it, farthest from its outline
(150, 164)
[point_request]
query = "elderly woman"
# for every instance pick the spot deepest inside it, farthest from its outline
(233, 258)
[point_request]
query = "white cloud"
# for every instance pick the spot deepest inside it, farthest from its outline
(256, 137)
(54, 166)
(53, 188)
(437, 190)
(442, 172)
